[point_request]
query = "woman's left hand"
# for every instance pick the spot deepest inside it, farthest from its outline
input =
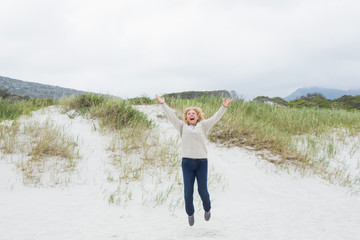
(227, 102)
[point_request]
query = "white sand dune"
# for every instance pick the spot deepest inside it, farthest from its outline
(250, 202)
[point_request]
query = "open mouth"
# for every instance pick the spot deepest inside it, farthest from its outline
(192, 119)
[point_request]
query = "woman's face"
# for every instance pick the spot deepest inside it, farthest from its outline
(192, 117)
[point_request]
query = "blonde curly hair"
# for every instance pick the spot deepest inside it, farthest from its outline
(198, 111)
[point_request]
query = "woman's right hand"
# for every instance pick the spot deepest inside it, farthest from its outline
(160, 99)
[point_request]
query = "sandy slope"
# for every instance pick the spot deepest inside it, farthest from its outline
(251, 202)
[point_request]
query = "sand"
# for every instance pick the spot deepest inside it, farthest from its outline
(250, 199)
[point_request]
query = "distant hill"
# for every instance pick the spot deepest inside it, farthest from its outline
(197, 94)
(34, 90)
(328, 93)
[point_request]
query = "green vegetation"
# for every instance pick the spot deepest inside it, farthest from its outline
(13, 109)
(347, 102)
(301, 133)
(44, 151)
(275, 129)
(113, 113)
(198, 94)
(316, 100)
(312, 101)
(143, 100)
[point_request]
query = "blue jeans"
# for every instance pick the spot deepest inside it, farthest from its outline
(195, 168)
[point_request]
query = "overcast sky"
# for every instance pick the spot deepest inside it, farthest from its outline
(142, 47)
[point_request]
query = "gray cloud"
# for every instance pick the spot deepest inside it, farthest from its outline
(129, 48)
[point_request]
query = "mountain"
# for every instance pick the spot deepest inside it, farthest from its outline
(35, 90)
(328, 93)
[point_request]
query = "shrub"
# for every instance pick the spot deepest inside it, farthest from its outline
(143, 100)
(113, 113)
(82, 103)
(347, 102)
(13, 110)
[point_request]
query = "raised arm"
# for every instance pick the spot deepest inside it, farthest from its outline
(177, 123)
(208, 123)
(227, 102)
(160, 99)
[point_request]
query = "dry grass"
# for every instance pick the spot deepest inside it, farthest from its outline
(272, 129)
(42, 152)
(139, 160)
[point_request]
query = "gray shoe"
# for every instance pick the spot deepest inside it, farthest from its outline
(191, 220)
(207, 215)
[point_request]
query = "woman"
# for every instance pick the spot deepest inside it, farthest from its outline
(193, 131)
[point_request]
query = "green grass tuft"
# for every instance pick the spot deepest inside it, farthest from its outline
(113, 113)
(13, 110)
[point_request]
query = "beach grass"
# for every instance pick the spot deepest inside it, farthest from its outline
(304, 139)
(42, 152)
(12, 110)
(278, 130)
(149, 158)
(112, 113)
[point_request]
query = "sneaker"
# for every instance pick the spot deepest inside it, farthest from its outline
(207, 215)
(191, 220)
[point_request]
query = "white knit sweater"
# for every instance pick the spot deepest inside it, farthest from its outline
(193, 137)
